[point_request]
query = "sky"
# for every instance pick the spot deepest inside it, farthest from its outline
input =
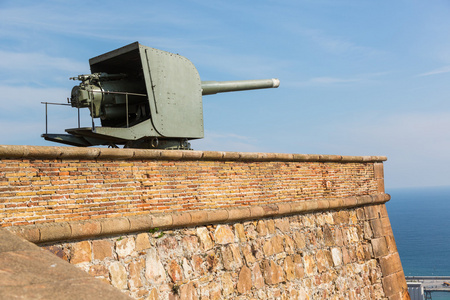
(357, 77)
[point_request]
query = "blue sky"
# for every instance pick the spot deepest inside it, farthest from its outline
(357, 77)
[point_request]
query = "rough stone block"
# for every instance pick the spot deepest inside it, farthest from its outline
(379, 246)
(282, 224)
(118, 275)
(289, 268)
(372, 212)
(390, 241)
(81, 252)
(125, 247)
(240, 232)
(205, 238)
(309, 264)
(174, 271)
(98, 270)
(248, 254)
(134, 278)
(377, 228)
(391, 285)
(188, 291)
(58, 251)
(232, 258)
(228, 286)
(102, 249)
(273, 273)
(154, 269)
(386, 224)
(142, 242)
(244, 284)
(336, 255)
(223, 235)
(390, 264)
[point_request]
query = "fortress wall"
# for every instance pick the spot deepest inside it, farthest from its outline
(213, 225)
(339, 254)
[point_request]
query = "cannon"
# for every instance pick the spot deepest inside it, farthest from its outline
(145, 98)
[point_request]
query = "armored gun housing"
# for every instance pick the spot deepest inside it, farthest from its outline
(145, 98)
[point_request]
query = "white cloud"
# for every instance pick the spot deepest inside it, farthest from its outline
(18, 99)
(334, 81)
(18, 62)
(336, 44)
(322, 81)
(441, 70)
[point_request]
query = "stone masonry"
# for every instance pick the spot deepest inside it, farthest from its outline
(161, 224)
(342, 254)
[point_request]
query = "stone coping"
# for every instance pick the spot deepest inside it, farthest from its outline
(52, 152)
(42, 233)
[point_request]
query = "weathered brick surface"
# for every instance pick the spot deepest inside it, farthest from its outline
(320, 255)
(58, 184)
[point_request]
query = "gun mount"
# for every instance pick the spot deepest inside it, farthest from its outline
(145, 98)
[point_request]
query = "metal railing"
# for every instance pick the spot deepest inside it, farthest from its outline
(46, 113)
(92, 108)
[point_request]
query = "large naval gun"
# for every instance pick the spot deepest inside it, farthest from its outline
(145, 98)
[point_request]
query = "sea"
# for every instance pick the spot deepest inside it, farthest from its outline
(420, 219)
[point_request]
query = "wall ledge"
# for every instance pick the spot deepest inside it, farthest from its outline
(61, 231)
(53, 152)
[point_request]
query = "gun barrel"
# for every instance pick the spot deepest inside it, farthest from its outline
(214, 87)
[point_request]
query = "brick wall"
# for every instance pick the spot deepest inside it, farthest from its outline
(48, 185)
(117, 199)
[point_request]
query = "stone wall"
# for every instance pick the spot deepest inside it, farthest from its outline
(340, 254)
(208, 225)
